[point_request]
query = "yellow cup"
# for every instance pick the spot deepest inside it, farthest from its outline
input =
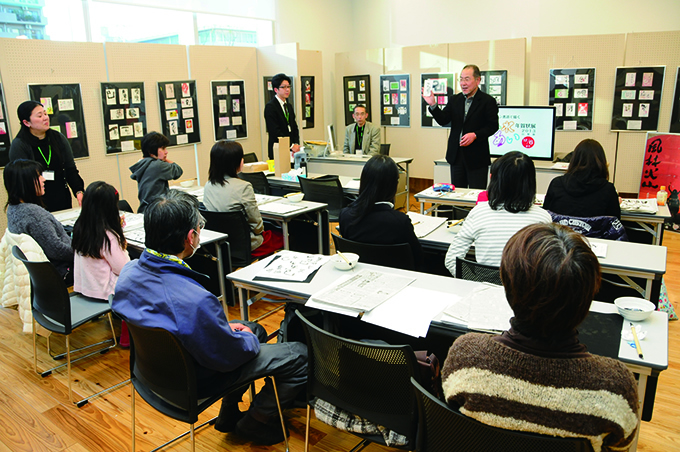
(271, 165)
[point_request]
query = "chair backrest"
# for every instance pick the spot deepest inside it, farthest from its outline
(385, 149)
(395, 256)
(234, 224)
(473, 271)
(124, 206)
(161, 368)
(443, 429)
(368, 380)
(326, 189)
(50, 299)
(259, 182)
(602, 227)
(250, 157)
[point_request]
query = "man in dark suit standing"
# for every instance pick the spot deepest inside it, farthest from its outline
(279, 116)
(473, 115)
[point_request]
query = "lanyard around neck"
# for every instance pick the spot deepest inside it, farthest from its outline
(360, 134)
(285, 111)
(49, 155)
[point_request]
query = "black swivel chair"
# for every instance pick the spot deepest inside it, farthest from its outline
(250, 157)
(235, 224)
(473, 271)
(368, 380)
(259, 182)
(60, 312)
(443, 429)
(164, 374)
(396, 256)
(325, 189)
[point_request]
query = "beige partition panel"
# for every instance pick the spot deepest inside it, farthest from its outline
(33, 61)
(152, 63)
(310, 64)
(357, 63)
(427, 144)
(272, 60)
(647, 49)
(604, 53)
(225, 63)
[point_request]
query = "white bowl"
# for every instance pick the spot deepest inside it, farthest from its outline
(296, 197)
(634, 309)
(187, 183)
(341, 264)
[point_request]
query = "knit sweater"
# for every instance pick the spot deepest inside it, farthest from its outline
(586, 396)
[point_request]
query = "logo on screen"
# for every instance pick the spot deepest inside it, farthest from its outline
(528, 142)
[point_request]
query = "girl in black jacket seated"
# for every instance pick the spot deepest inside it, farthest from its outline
(585, 190)
(371, 218)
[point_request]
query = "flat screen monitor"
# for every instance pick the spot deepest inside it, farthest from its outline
(331, 137)
(527, 129)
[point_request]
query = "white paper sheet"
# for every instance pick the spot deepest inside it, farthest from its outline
(424, 224)
(293, 266)
(281, 207)
(486, 309)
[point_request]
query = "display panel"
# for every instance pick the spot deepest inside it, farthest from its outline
(357, 89)
(229, 109)
(394, 100)
(124, 111)
(527, 129)
(179, 112)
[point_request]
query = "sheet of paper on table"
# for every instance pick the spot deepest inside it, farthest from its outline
(600, 249)
(264, 199)
(282, 207)
(293, 266)
(484, 309)
(424, 224)
(639, 205)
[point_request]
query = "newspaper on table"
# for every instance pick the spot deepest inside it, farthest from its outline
(67, 217)
(484, 309)
(363, 291)
(292, 266)
(135, 235)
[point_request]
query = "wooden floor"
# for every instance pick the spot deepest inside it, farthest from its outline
(35, 414)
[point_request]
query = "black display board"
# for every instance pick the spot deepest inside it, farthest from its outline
(441, 84)
(394, 100)
(495, 84)
(124, 110)
(64, 106)
(357, 89)
(675, 113)
(637, 98)
(270, 92)
(5, 137)
(307, 102)
(572, 93)
(179, 112)
(229, 109)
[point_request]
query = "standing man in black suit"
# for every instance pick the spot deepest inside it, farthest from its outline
(279, 116)
(473, 115)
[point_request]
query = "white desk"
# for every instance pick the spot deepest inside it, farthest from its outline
(350, 185)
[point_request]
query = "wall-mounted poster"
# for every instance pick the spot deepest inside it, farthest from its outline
(307, 102)
(572, 93)
(675, 113)
(124, 110)
(357, 89)
(64, 106)
(394, 100)
(495, 84)
(229, 109)
(442, 85)
(637, 98)
(269, 92)
(179, 112)
(661, 165)
(5, 137)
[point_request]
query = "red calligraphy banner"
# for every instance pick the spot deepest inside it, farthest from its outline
(661, 165)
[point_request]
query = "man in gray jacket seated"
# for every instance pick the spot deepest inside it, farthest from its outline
(361, 137)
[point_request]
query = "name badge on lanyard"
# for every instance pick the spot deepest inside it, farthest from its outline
(48, 175)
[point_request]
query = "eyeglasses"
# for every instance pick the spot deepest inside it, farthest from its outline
(466, 79)
(284, 87)
(201, 222)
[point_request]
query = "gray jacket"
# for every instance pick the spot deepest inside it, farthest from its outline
(152, 176)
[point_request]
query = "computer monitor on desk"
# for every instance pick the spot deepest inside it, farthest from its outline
(331, 138)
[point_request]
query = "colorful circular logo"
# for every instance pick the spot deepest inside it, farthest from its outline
(528, 142)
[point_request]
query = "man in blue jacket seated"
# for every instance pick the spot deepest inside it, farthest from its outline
(161, 291)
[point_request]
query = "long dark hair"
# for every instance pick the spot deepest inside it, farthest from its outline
(589, 158)
(379, 180)
(98, 215)
(22, 178)
(225, 160)
(513, 183)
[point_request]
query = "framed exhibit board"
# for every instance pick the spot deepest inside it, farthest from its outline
(229, 109)
(495, 84)
(441, 84)
(637, 98)
(307, 102)
(394, 100)
(572, 93)
(661, 165)
(5, 136)
(179, 112)
(357, 89)
(675, 113)
(124, 110)
(269, 93)
(64, 106)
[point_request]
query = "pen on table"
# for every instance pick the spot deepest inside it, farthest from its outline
(417, 222)
(456, 223)
(361, 314)
(637, 342)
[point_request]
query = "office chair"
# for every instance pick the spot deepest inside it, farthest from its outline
(250, 157)
(124, 206)
(367, 380)
(57, 311)
(473, 271)
(442, 429)
(164, 374)
(396, 256)
(385, 149)
(259, 182)
(325, 189)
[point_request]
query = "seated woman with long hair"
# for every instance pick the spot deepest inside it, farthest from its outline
(225, 192)
(489, 225)
(537, 377)
(26, 214)
(585, 190)
(371, 218)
